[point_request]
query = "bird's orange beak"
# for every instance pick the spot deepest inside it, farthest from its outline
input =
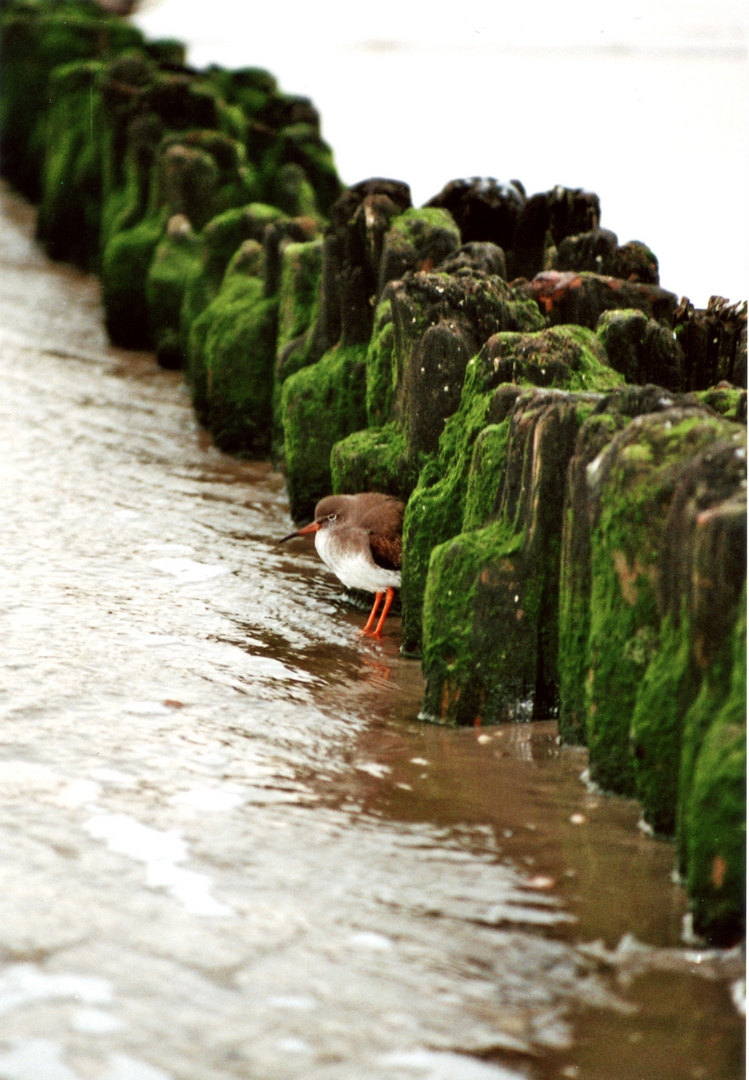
(312, 527)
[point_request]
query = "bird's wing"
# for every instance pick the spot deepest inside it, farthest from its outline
(387, 551)
(384, 516)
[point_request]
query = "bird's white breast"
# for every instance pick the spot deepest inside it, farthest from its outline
(348, 555)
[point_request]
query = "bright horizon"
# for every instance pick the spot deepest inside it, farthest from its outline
(667, 24)
(643, 103)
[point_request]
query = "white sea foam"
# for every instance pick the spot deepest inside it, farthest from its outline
(161, 852)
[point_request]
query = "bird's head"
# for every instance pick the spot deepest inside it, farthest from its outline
(327, 512)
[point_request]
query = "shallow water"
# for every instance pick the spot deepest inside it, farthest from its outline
(229, 848)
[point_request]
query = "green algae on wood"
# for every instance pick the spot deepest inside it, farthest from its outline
(176, 262)
(718, 607)
(298, 306)
(301, 144)
(381, 369)
(193, 175)
(440, 321)
(418, 239)
(222, 236)
(130, 147)
(641, 348)
(561, 357)
(473, 592)
(126, 259)
(574, 600)
(564, 358)
(490, 607)
(374, 459)
(293, 193)
(125, 265)
(320, 405)
(726, 399)
(632, 482)
(434, 512)
(252, 88)
(669, 685)
(610, 416)
(485, 475)
(239, 350)
(220, 239)
(299, 300)
(715, 812)
(231, 182)
(69, 216)
(701, 574)
(36, 40)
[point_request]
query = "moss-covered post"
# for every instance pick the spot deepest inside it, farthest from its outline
(714, 810)
(176, 262)
(69, 217)
(632, 482)
(220, 239)
(239, 350)
(490, 608)
(701, 575)
(323, 401)
(566, 358)
(37, 39)
(234, 340)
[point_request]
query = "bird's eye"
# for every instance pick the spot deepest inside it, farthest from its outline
(332, 517)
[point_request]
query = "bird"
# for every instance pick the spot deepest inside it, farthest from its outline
(359, 538)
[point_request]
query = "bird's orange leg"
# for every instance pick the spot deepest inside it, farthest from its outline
(368, 625)
(389, 595)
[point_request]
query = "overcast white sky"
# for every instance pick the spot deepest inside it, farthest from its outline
(642, 101)
(305, 25)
